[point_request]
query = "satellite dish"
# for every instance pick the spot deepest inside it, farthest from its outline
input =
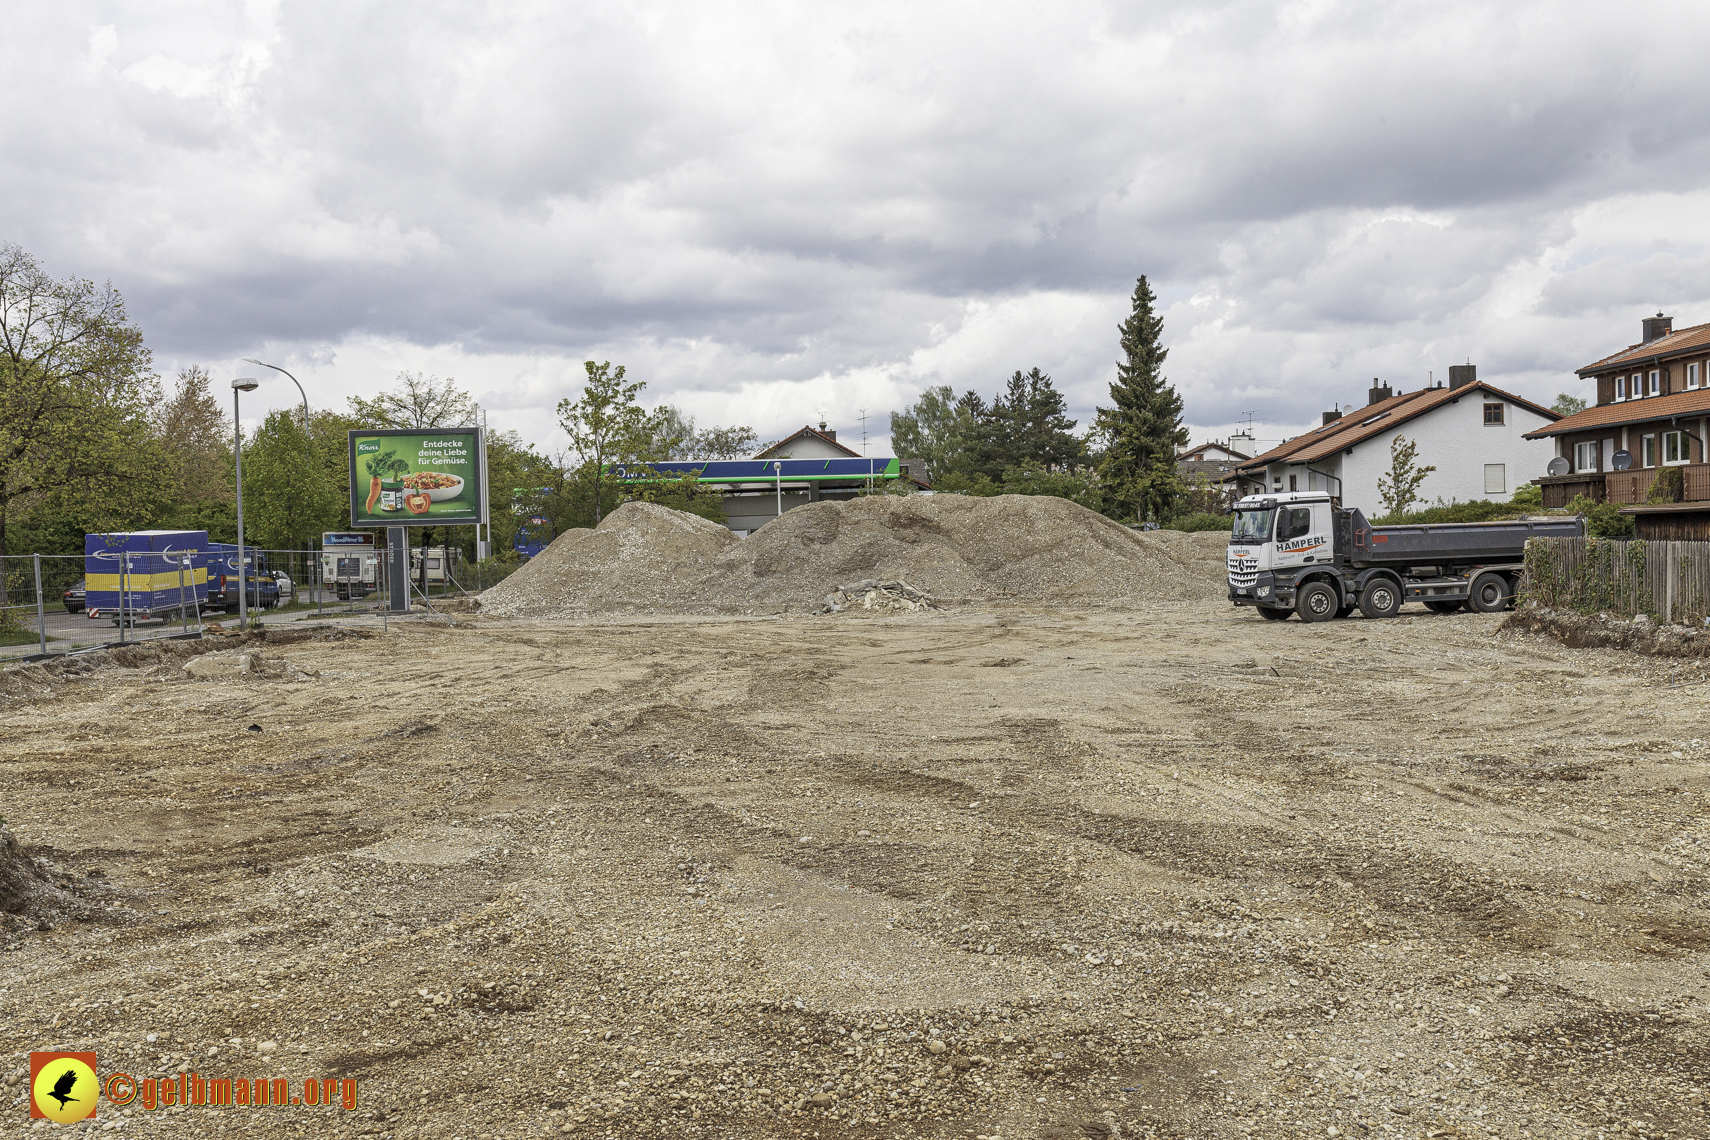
(1621, 460)
(1558, 466)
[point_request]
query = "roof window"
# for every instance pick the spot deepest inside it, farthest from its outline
(1374, 419)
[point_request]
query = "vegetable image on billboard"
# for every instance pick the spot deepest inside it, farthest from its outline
(415, 477)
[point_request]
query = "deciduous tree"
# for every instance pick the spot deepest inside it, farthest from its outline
(417, 402)
(76, 387)
(609, 429)
(1399, 486)
(934, 430)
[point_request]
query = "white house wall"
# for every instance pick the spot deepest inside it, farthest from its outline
(1453, 438)
(1456, 441)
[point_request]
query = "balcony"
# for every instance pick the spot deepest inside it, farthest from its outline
(1622, 486)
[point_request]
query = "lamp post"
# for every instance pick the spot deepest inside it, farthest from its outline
(308, 444)
(778, 476)
(241, 384)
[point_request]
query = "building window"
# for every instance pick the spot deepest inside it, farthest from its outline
(1648, 451)
(1656, 382)
(1291, 481)
(1620, 388)
(1585, 456)
(1493, 414)
(1692, 375)
(1675, 448)
(1495, 479)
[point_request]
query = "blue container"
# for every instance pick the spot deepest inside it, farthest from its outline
(156, 570)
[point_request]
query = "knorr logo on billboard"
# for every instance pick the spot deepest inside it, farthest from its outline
(415, 477)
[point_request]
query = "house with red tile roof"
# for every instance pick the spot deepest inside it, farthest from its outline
(808, 444)
(1652, 412)
(1474, 434)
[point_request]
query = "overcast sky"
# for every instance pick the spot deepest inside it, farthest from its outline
(778, 213)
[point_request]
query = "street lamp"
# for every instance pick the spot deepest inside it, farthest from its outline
(308, 443)
(293, 379)
(241, 384)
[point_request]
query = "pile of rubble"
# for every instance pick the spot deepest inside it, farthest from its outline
(877, 594)
(648, 559)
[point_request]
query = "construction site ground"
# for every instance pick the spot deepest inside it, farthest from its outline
(1002, 871)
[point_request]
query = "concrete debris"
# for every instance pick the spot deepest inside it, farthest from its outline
(876, 594)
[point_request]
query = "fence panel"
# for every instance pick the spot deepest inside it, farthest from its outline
(1669, 581)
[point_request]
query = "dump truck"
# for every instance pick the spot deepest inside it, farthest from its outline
(1304, 553)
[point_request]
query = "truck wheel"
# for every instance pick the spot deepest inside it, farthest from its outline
(1489, 594)
(1442, 607)
(1271, 613)
(1380, 599)
(1316, 602)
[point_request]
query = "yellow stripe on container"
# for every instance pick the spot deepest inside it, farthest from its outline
(163, 580)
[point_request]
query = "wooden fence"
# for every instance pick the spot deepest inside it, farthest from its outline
(1668, 580)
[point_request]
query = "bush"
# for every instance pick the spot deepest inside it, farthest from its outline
(1479, 510)
(1667, 487)
(1602, 520)
(1529, 497)
(1203, 521)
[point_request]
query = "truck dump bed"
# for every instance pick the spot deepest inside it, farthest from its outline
(1432, 543)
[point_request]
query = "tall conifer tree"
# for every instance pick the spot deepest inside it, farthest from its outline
(1145, 427)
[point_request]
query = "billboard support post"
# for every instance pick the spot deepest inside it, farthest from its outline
(398, 569)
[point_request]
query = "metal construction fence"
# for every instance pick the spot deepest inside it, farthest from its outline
(1669, 581)
(42, 601)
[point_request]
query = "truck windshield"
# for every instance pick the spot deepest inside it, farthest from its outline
(1251, 526)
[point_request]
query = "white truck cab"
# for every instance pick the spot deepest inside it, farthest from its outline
(1278, 532)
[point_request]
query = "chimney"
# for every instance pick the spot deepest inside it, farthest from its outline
(1657, 327)
(1461, 375)
(1332, 416)
(1378, 392)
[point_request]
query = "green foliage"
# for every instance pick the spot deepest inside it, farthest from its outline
(1081, 486)
(608, 429)
(961, 483)
(289, 498)
(1024, 427)
(417, 402)
(1528, 497)
(935, 431)
(1399, 486)
(1667, 487)
(1143, 430)
(1567, 405)
(1478, 510)
(1602, 520)
(685, 494)
(677, 438)
(1201, 521)
(76, 387)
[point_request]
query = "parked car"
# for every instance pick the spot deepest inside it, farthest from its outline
(73, 598)
(287, 588)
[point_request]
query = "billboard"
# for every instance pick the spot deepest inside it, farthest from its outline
(416, 477)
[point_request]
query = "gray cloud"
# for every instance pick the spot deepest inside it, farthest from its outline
(838, 205)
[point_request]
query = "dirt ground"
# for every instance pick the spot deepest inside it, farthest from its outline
(997, 872)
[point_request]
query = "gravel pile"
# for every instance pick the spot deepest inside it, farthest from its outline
(647, 559)
(641, 557)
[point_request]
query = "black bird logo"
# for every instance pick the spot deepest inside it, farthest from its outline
(62, 1087)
